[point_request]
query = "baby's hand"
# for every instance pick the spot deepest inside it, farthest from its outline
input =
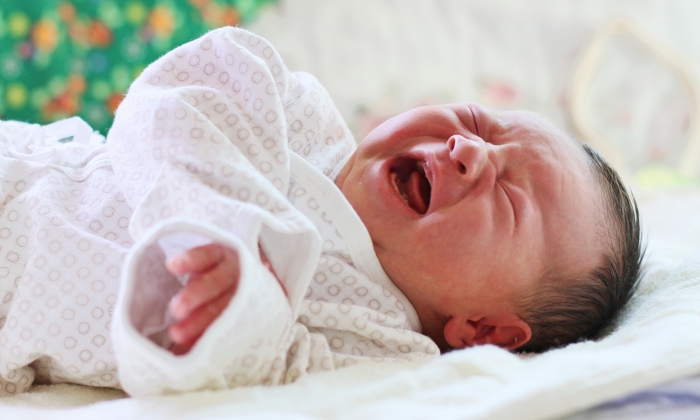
(214, 273)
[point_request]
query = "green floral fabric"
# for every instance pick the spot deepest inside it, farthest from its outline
(60, 58)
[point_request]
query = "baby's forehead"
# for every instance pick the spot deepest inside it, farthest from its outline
(542, 129)
(520, 125)
(573, 215)
(532, 122)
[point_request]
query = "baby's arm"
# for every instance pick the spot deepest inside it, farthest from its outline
(213, 272)
(212, 160)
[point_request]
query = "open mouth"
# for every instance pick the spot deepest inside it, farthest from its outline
(411, 183)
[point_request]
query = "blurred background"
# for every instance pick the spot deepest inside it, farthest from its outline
(620, 74)
(60, 58)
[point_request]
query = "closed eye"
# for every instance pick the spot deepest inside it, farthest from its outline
(509, 195)
(476, 125)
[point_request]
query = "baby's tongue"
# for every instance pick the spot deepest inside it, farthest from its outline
(415, 199)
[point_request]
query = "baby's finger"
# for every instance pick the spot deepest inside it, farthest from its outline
(196, 259)
(206, 287)
(188, 331)
(180, 349)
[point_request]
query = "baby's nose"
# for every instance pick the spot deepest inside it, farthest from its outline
(469, 156)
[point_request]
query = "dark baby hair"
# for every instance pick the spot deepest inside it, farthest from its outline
(565, 310)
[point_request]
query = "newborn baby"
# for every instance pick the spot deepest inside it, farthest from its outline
(230, 233)
(476, 215)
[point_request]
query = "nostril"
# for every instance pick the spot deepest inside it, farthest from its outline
(462, 169)
(451, 143)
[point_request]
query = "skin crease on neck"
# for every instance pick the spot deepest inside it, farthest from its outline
(468, 208)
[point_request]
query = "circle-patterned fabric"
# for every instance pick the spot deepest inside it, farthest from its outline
(219, 139)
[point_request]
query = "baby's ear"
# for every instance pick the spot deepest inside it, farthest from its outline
(507, 330)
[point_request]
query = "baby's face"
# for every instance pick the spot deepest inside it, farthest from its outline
(469, 207)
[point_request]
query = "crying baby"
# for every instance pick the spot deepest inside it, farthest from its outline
(256, 243)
